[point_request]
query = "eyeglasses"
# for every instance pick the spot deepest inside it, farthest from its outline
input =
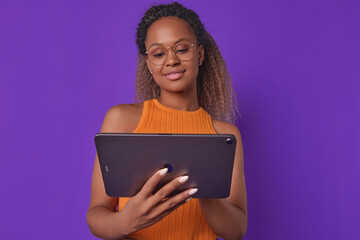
(183, 51)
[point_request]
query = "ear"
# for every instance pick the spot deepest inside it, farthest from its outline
(148, 64)
(201, 54)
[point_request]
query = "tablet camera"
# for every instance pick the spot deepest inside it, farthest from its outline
(169, 167)
(229, 141)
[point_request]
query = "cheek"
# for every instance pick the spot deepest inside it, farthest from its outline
(157, 70)
(193, 69)
(157, 76)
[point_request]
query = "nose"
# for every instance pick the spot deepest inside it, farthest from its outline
(171, 59)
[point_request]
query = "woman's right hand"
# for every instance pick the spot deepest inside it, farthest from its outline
(144, 209)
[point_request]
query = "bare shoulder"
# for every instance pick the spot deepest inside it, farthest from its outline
(122, 118)
(223, 127)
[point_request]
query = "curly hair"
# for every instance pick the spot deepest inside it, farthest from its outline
(214, 89)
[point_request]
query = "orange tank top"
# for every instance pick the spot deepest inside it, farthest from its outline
(187, 221)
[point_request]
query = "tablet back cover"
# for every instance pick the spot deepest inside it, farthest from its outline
(128, 160)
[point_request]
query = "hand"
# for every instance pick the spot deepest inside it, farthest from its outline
(145, 208)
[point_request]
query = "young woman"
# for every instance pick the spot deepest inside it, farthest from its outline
(183, 87)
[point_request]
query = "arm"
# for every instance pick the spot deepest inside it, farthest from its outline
(102, 218)
(228, 217)
(142, 210)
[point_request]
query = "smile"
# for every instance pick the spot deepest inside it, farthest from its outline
(174, 76)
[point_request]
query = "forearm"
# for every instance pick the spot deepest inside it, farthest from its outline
(104, 223)
(225, 219)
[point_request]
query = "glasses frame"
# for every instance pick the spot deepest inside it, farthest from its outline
(173, 51)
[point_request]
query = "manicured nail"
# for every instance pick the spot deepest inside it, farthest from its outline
(163, 172)
(183, 179)
(193, 191)
(188, 199)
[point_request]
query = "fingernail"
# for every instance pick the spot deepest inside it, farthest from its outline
(163, 172)
(183, 179)
(193, 191)
(188, 199)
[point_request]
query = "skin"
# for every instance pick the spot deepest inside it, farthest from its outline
(176, 94)
(227, 217)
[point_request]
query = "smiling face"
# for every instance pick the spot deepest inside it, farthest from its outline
(167, 32)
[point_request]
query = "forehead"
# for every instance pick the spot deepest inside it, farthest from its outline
(167, 30)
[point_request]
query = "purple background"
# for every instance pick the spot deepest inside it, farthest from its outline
(295, 69)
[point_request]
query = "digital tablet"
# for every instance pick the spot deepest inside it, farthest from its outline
(128, 160)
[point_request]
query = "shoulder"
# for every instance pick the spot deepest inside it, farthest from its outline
(122, 117)
(222, 127)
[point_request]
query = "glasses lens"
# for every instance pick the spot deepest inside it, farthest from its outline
(157, 55)
(183, 51)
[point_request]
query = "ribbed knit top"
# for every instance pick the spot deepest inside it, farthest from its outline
(187, 221)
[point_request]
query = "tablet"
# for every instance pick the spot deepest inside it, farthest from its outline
(128, 160)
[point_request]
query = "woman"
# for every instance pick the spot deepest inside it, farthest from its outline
(183, 87)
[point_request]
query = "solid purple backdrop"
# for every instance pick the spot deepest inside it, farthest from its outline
(295, 69)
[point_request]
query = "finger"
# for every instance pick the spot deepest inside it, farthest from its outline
(167, 189)
(153, 181)
(161, 215)
(175, 200)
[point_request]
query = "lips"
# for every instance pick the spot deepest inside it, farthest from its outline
(174, 75)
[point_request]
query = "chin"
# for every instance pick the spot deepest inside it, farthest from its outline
(176, 86)
(173, 90)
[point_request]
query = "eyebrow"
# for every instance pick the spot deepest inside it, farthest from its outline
(181, 39)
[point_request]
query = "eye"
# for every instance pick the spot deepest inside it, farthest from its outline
(157, 52)
(158, 55)
(182, 48)
(185, 50)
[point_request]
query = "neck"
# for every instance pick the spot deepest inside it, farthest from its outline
(185, 102)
